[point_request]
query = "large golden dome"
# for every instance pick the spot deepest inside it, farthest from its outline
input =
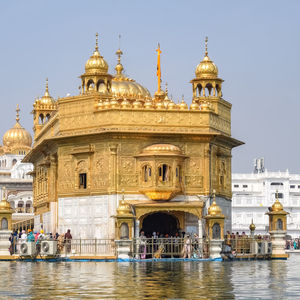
(206, 68)
(96, 63)
(17, 137)
(125, 87)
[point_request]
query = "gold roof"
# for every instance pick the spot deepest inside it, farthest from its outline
(162, 149)
(123, 86)
(17, 136)
(46, 99)
(123, 208)
(277, 206)
(96, 63)
(206, 69)
(214, 209)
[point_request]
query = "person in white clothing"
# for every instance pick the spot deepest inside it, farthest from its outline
(23, 236)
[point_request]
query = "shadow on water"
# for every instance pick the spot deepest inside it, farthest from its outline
(150, 280)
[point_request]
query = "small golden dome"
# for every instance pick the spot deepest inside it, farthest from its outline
(17, 137)
(277, 206)
(195, 106)
(214, 209)
(125, 103)
(114, 103)
(159, 105)
(96, 63)
(172, 105)
(124, 208)
(162, 149)
(252, 226)
(46, 99)
(123, 86)
(137, 104)
(183, 105)
(148, 104)
(206, 68)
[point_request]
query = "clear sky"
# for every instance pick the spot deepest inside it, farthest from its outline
(255, 45)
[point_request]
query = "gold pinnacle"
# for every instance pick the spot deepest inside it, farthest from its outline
(17, 115)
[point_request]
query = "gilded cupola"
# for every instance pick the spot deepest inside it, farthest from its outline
(277, 206)
(43, 110)
(17, 140)
(206, 83)
(125, 87)
(96, 77)
(96, 63)
(214, 209)
(45, 100)
(206, 68)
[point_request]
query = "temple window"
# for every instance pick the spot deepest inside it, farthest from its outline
(124, 231)
(279, 224)
(47, 117)
(82, 181)
(4, 223)
(41, 119)
(164, 173)
(146, 173)
(178, 174)
(216, 231)
(14, 162)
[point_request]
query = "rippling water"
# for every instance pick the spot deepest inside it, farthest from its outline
(151, 280)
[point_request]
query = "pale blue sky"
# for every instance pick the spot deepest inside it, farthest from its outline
(255, 45)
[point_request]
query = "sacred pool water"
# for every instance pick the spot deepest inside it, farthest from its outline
(151, 280)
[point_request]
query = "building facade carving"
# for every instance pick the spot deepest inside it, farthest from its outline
(115, 139)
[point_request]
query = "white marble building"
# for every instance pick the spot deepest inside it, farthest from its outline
(254, 193)
(14, 174)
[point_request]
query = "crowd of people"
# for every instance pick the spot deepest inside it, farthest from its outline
(164, 245)
(30, 236)
(293, 244)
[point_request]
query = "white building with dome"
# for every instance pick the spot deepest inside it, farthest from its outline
(14, 174)
(253, 193)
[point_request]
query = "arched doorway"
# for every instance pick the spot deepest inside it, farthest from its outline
(163, 223)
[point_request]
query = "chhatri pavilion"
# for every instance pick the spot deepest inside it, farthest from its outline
(114, 160)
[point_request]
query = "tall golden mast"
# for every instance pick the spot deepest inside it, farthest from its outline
(158, 73)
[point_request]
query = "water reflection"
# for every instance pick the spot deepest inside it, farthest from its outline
(150, 280)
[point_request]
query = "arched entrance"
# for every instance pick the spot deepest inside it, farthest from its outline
(160, 222)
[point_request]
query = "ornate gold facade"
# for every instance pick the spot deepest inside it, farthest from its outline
(114, 137)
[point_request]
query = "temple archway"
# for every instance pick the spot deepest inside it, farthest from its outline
(161, 222)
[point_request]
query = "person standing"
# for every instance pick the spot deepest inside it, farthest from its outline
(187, 247)
(68, 238)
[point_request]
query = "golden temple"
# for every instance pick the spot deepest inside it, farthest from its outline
(115, 141)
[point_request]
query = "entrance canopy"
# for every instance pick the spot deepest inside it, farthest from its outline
(143, 208)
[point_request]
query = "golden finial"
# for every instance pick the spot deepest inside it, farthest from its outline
(166, 88)
(119, 67)
(4, 193)
(214, 195)
(17, 116)
(47, 89)
(182, 98)
(158, 73)
(96, 47)
(206, 41)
